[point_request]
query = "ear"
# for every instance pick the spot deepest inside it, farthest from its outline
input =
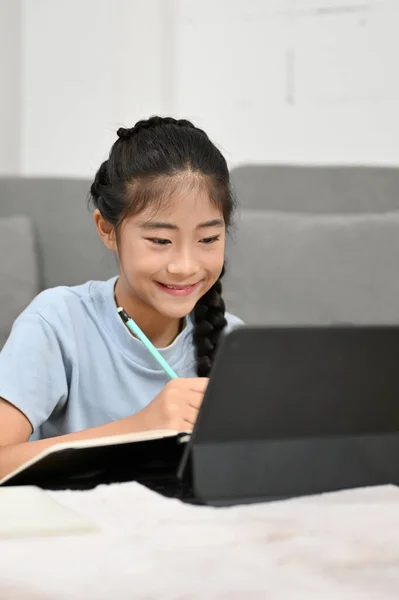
(105, 230)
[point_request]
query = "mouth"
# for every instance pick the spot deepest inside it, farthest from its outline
(178, 290)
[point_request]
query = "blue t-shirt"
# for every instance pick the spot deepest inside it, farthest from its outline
(70, 363)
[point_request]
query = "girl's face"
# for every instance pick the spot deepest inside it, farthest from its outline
(172, 257)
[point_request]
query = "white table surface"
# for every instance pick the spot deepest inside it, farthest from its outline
(340, 545)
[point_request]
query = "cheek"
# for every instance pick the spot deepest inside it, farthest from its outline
(213, 267)
(136, 257)
(215, 260)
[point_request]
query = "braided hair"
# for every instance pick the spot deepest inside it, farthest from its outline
(141, 160)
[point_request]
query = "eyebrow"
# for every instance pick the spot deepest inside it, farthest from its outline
(161, 225)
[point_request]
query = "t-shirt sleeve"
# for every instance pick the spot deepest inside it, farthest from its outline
(32, 371)
(232, 322)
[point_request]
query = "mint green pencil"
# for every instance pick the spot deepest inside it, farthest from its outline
(135, 329)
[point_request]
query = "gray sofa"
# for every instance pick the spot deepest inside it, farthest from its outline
(311, 245)
(315, 245)
(317, 189)
(47, 238)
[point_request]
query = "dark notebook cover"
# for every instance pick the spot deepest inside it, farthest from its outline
(83, 465)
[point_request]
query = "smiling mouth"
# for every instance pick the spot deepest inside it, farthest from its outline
(178, 290)
(172, 286)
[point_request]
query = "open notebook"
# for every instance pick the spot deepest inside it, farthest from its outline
(87, 463)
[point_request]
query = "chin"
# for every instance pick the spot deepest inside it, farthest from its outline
(175, 309)
(176, 312)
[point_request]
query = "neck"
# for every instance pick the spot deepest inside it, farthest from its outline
(160, 330)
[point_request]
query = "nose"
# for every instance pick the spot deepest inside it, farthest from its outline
(183, 265)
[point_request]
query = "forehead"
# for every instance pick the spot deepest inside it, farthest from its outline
(186, 204)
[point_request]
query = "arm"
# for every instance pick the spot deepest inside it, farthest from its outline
(15, 431)
(175, 407)
(33, 380)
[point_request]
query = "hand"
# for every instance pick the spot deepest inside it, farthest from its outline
(177, 406)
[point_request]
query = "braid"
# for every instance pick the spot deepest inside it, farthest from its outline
(101, 198)
(126, 133)
(209, 317)
(100, 181)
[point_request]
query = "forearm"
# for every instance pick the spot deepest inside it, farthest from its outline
(14, 455)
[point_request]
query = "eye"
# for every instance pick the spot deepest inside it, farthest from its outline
(210, 240)
(159, 241)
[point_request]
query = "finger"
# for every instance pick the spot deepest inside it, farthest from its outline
(196, 393)
(190, 415)
(185, 427)
(195, 383)
(199, 385)
(195, 400)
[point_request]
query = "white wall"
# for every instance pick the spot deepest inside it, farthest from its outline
(270, 80)
(292, 80)
(10, 77)
(88, 68)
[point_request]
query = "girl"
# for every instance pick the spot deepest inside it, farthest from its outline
(71, 369)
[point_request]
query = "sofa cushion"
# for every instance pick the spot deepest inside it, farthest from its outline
(69, 247)
(18, 270)
(317, 188)
(286, 268)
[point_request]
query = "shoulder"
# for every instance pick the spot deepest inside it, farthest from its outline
(64, 303)
(57, 301)
(232, 321)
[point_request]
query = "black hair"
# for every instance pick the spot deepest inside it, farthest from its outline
(143, 169)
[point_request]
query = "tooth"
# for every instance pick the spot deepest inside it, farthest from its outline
(172, 287)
